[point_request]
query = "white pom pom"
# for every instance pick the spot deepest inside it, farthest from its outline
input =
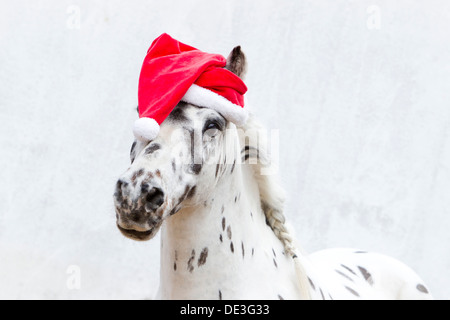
(145, 129)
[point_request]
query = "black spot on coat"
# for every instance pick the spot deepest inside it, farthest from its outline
(367, 276)
(223, 223)
(152, 148)
(177, 114)
(196, 168)
(229, 233)
(352, 291)
(190, 265)
(203, 256)
(421, 288)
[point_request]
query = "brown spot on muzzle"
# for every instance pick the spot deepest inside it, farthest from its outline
(137, 174)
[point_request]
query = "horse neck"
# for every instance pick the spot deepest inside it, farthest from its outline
(223, 248)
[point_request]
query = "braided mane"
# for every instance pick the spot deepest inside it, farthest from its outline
(272, 195)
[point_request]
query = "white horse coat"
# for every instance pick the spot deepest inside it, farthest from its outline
(223, 232)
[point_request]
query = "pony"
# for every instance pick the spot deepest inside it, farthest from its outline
(208, 186)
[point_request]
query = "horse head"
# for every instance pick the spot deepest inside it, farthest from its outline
(178, 168)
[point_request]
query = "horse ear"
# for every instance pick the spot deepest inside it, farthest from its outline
(236, 62)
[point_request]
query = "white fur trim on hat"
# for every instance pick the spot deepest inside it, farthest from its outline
(202, 97)
(145, 129)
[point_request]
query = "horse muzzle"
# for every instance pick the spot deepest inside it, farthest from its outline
(138, 235)
(138, 209)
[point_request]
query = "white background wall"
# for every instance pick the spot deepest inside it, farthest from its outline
(362, 106)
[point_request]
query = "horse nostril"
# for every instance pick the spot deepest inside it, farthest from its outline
(118, 191)
(155, 198)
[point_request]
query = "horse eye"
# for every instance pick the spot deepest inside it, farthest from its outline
(212, 125)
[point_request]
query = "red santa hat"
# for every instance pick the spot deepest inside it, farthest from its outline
(172, 72)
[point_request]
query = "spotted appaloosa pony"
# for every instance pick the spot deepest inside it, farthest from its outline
(223, 230)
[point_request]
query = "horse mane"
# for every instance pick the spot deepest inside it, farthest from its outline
(272, 195)
(253, 137)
